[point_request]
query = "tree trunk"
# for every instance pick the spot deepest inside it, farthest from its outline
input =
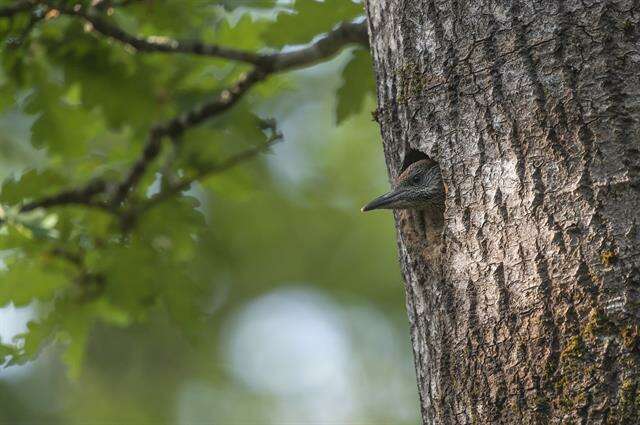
(525, 308)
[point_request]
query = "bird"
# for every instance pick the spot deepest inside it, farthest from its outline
(419, 187)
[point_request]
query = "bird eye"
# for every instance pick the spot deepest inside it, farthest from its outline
(415, 179)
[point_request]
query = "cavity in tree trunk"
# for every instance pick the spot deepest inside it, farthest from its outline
(525, 310)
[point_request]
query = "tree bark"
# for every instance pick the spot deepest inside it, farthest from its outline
(525, 308)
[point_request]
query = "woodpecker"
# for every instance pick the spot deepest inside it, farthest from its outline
(419, 187)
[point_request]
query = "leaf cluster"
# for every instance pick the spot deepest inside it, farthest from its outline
(85, 106)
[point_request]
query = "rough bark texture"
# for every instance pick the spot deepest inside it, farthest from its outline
(526, 310)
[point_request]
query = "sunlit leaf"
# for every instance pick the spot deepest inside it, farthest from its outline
(25, 280)
(357, 83)
(7, 351)
(60, 127)
(31, 185)
(39, 334)
(308, 19)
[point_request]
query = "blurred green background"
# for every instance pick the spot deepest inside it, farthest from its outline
(261, 295)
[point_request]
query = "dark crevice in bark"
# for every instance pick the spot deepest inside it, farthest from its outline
(474, 342)
(532, 65)
(411, 156)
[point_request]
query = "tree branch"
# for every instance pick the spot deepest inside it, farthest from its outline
(265, 64)
(14, 9)
(213, 169)
(345, 33)
(155, 43)
(324, 48)
(80, 196)
(175, 127)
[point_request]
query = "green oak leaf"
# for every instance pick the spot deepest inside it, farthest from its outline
(309, 18)
(357, 83)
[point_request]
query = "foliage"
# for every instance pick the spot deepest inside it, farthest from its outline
(133, 303)
(87, 103)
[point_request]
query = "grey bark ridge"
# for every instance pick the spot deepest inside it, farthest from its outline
(525, 310)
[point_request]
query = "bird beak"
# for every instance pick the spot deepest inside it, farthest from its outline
(385, 202)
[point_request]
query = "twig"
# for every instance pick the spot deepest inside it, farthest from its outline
(156, 43)
(331, 43)
(265, 64)
(209, 171)
(76, 259)
(80, 196)
(175, 127)
(325, 47)
(14, 9)
(35, 18)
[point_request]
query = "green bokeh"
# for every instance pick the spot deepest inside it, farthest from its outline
(279, 237)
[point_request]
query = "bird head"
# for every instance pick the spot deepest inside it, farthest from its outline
(418, 187)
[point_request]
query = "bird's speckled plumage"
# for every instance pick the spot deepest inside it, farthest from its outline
(423, 181)
(418, 187)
